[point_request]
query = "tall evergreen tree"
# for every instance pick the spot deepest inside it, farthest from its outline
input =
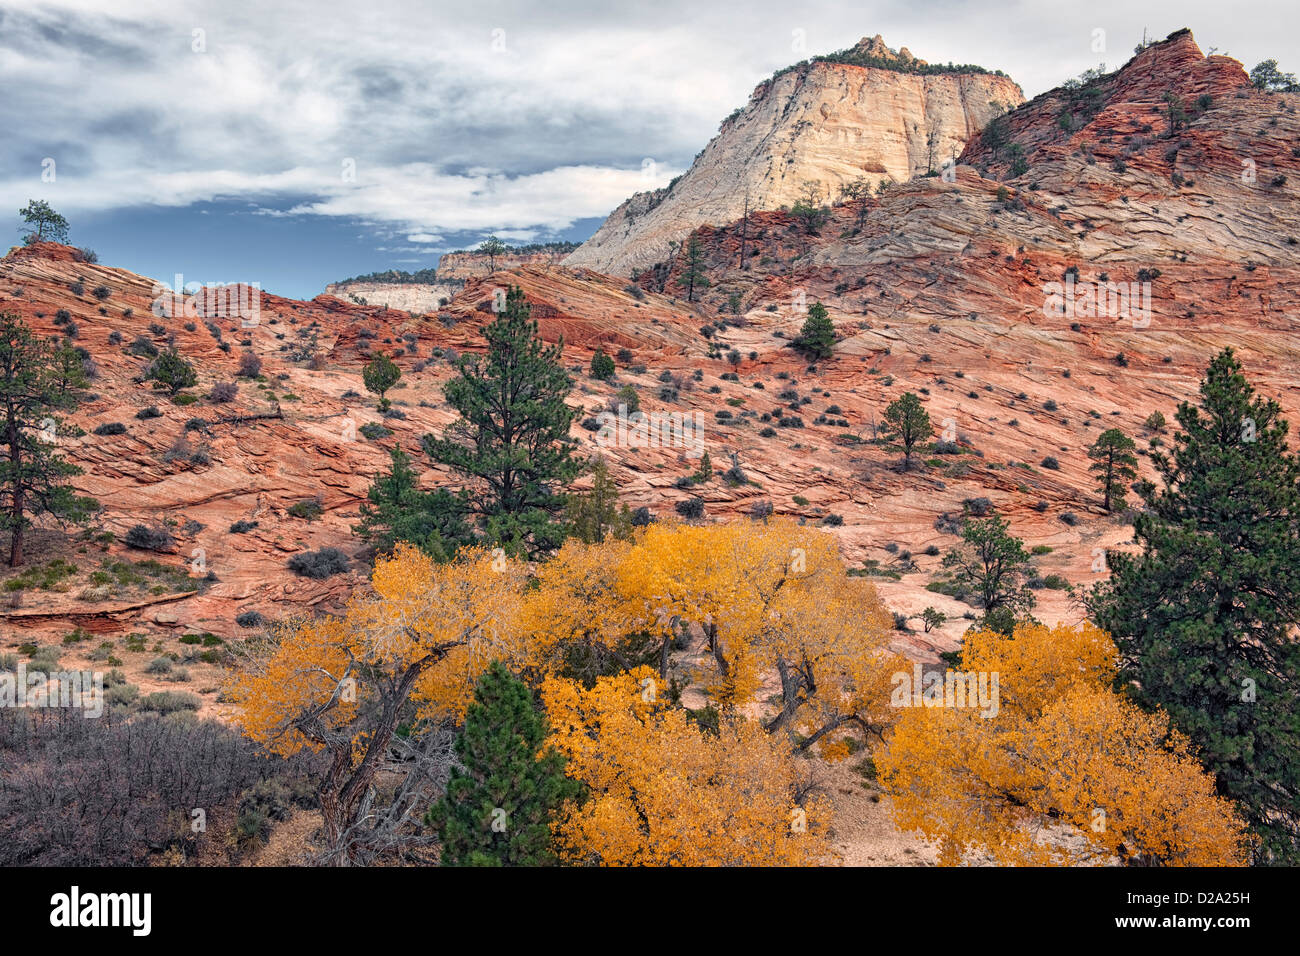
(693, 276)
(498, 809)
(1205, 617)
(398, 509)
(993, 562)
(817, 337)
(596, 515)
(907, 423)
(512, 436)
(32, 474)
(1115, 464)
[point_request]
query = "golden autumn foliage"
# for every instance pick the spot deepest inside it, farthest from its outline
(440, 625)
(1067, 772)
(664, 792)
(342, 684)
(768, 599)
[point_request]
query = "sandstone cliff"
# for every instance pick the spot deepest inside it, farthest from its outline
(825, 123)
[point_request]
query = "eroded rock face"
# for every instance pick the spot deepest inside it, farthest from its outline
(822, 123)
(404, 296)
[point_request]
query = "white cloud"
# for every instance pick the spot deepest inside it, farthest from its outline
(446, 134)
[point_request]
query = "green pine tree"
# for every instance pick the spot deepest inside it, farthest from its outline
(32, 475)
(1205, 615)
(1115, 464)
(497, 810)
(47, 225)
(512, 437)
(398, 509)
(817, 337)
(993, 562)
(907, 423)
(693, 275)
(172, 372)
(380, 374)
(596, 515)
(602, 366)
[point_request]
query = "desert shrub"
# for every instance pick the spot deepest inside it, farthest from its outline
(978, 507)
(143, 346)
(948, 523)
(250, 619)
(319, 564)
(150, 412)
(760, 510)
(642, 517)
(160, 665)
(1070, 518)
(1051, 463)
(223, 392)
(114, 791)
(101, 292)
(250, 366)
(690, 508)
(310, 509)
(169, 702)
(110, 428)
(149, 539)
(374, 431)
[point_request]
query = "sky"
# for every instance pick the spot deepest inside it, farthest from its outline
(293, 144)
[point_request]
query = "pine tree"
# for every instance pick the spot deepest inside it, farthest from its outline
(1115, 464)
(1205, 616)
(596, 515)
(693, 276)
(993, 562)
(48, 225)
(172, 372)
(817, 337)
(497, 810)
(398, 509)
(602, 366)
(907, 423)
(512, 437)
(380, 374)
(32, 474)
(492, 247)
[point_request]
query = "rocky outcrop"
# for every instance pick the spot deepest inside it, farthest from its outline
(403, 296)
(454, 270)
(821, 123)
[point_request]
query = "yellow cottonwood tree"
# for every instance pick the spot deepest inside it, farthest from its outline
(577, 616)
(342, 684)
(664, 792)
(1067, 771)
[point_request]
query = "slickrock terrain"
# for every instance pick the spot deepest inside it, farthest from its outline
(825, 123)
(940, 288)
